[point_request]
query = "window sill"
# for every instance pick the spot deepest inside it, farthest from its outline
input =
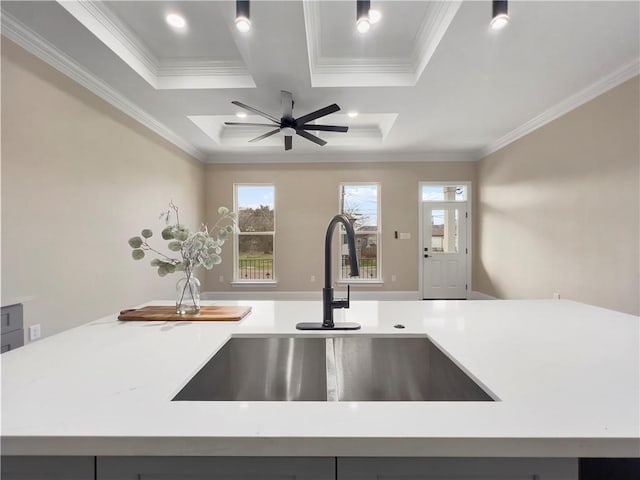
(257, 283)
(361, 283)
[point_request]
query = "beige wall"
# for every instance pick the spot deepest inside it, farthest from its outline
(78, 179)
(307, 198)
(559, 209)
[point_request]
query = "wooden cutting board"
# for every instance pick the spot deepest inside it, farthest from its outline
(168, 313)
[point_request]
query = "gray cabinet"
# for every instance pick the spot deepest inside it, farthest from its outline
(215, 468)
(286, 468)
(47, 468)
(12, 329)
(457, 468)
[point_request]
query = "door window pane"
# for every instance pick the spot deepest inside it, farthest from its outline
(444, 193)
(444, 230)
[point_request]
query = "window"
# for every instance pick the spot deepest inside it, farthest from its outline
(255, 235)
(444, 193)
(361, 203)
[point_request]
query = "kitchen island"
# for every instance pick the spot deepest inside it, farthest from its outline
(565, 377)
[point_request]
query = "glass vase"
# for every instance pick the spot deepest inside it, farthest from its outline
(188, 295)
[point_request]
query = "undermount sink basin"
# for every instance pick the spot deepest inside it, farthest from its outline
(399, 369)
(262, 369)
(341, 368)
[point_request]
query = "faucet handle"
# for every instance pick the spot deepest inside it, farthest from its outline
(342, 302)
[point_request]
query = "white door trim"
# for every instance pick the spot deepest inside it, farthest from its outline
(469, 203)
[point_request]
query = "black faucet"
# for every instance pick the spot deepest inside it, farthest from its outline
(328, 302)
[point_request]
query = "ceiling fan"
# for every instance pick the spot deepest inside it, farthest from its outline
(290, 125)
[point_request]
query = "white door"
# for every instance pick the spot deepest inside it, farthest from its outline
(444, 250)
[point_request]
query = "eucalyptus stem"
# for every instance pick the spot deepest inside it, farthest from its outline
(147, 247)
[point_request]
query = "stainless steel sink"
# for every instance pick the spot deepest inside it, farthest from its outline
(262, 369)
(341, 368)
(399, 369)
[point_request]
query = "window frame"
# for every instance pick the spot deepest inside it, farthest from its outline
(237, 233)
(361, 281)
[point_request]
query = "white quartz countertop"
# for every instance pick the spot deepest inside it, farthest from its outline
(567, 376)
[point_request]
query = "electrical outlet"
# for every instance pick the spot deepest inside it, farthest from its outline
(556, 296)
(34, 332)
(221, 278)
(393, 278)
(312, 279)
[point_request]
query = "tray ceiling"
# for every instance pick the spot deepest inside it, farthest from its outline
(429, 78)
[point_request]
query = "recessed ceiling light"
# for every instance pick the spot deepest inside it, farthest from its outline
(241, 115)
(374, 16)
(176, 21)
(500, 15)
(352, 114)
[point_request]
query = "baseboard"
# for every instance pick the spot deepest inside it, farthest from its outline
(481, 296)
(308, 295)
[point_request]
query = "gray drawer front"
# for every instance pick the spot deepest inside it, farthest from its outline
(12, 340)
(11, 318)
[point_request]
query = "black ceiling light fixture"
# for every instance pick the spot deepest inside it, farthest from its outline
(363, 23)
(500, 16)
(243, 18)
(289, 125)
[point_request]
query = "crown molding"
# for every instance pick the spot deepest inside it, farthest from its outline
(594, 90)
(108, 28)
(160, 74)
(19, 33)
(436, 24)
(341, 157)
(197, 73)
(200, 67)
(371, 66)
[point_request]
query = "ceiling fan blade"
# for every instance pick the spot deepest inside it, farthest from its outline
(324, 128)
(252, 124)
(254, 110)
(288, 142)
(317, 114)
(268, 134)
(311, 137)
(287, 104)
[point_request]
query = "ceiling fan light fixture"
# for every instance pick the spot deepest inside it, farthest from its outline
(352, 114)
(362, 15)
(500, 16)
(241, 115)
(243, 14)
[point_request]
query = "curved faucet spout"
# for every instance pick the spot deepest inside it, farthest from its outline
(351, 244)
(328, 302)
